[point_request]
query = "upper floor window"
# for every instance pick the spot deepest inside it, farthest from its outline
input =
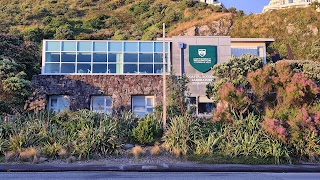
(59, 103)
(104, 57)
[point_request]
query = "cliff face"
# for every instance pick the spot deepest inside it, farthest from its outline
(220, 27)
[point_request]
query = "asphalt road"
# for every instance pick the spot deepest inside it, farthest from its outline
(160, 175)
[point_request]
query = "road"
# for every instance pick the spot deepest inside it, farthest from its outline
(159, 176)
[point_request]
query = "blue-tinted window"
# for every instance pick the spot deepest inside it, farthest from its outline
(240, 51)
(53, 46)
(130, 57)
(84, 57)
(99, 68)
(145, 68)
(100, 46)
(69, 46)
(114, 57)
(158, 46)
(158, 57)
(83, 68)
(52, 57)
(144, 57)
(52, 68)
(146, 47)
(84, 46)
(112, 68)
(130, 68)
(68, 57)
(158, 68)
(115, 46)
(68, 68)
(99, 57)
(131, 47)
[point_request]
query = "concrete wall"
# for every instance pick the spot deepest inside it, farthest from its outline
(198, 80)
(80, 88)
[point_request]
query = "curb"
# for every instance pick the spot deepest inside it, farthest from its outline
(159, 168)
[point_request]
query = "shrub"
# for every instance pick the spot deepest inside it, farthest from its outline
(147, 131)
(137, 151)
(179, 137)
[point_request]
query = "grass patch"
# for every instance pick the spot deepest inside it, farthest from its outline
(218, 159)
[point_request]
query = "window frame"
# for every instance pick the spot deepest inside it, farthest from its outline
(106, 109)
(146, 106)
(59, 106)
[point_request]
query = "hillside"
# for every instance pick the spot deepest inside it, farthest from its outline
(142, 19)
(101, 19)
(298, 27)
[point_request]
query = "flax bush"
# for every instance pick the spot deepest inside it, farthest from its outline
(179, 137)
(83, 134)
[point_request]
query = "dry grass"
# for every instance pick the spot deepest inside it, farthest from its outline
(137, 151)
(155, 151)
(202, 20)
(177, 152)
(28, 154)
(62, 153)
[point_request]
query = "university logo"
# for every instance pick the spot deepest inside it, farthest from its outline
(202, 58)
(202, 52)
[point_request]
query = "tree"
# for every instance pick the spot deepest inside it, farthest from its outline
(18, 63)
(233, 71)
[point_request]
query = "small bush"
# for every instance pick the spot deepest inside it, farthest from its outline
(137, 151)
(155, 149)
(147, 131)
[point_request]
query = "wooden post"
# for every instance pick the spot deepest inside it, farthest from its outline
(164, 103)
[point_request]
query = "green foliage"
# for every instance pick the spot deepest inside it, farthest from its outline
(233, 71)
(297, 27)
(148, 130)
(315, 51)
(82, 134)
(179, 137)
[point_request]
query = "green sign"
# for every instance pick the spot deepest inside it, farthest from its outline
(202, 58)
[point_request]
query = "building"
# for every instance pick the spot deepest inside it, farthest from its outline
(213, 2)
(283, 4)
(104, 75)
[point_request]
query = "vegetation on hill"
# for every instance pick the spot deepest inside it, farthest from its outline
(98, 19)
(298, 27)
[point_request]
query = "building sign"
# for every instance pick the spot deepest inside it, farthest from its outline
(202, 58)
(200, 79)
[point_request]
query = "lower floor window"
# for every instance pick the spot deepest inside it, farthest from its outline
(142, 105)
(59, 103)
(101, 104)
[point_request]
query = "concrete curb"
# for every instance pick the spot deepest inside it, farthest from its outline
(158, 168)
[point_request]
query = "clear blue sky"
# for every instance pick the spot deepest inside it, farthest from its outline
(248, 6)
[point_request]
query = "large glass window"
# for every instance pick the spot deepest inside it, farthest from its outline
(59, 103)
(69, 46)
(52, 68)
(115, 57)
(84, 57)
(101, 104)
(142, 105)
(100, 57)
(68, 57)
(52, 57)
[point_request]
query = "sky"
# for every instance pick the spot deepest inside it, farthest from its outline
(248, 6)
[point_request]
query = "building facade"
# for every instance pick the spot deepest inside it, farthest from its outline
(103, 75)
(282, 4)
(213, 2)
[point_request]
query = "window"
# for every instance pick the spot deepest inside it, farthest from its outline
(59, 103)
(101, 104)
(104, 57)
(142, 105)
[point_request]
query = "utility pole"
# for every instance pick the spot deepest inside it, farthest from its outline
(164, 103)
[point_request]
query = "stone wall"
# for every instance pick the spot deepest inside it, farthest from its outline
(80, 88)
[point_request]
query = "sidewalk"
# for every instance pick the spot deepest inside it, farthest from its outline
(158, 168)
